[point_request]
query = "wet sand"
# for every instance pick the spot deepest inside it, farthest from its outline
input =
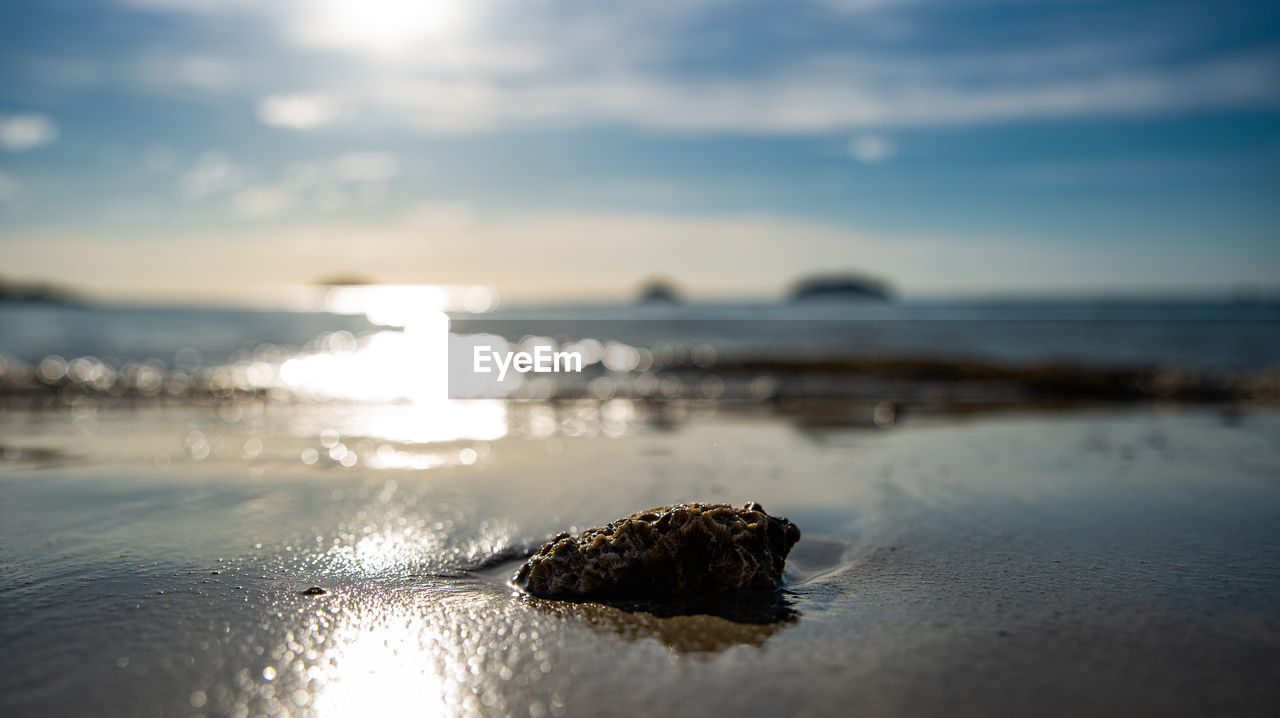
(1119, 562)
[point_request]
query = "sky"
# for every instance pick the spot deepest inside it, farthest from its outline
(194, 149)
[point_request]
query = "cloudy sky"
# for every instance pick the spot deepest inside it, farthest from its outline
(203, 149)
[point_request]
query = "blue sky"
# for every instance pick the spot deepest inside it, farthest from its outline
(192, 148)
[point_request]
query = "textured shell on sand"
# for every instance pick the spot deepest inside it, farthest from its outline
(683, 549)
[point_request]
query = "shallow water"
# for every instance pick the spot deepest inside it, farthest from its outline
(1121, 562)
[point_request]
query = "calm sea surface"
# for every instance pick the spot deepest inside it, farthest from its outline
(1208, 335)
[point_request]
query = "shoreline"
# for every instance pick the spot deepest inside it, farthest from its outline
(1099, 561)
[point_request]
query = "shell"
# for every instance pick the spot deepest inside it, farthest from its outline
(684, 549)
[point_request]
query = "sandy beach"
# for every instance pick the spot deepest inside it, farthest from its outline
(1118, 561)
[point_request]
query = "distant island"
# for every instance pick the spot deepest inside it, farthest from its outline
(37, 293)
(840, 287)
(658, 291)
(344, 280)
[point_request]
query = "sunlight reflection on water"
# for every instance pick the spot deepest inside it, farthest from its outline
(407, 365)
(382, 667)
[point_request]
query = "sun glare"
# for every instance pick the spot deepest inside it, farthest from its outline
(383, 27)
(380, 668)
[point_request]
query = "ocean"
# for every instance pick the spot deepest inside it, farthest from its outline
(1193, 334)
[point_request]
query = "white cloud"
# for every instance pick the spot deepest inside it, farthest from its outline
(329, 184)
(346, 168)
(871, 148)
(204, 6)
(26, 131)
(859, 5)
(261, 202)
(212, 174)
(379, 27)
(836, 94)
(366, 166)
(298, 112)
(199, 72)
(492, 64)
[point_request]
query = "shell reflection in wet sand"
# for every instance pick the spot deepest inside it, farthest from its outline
(692, 632)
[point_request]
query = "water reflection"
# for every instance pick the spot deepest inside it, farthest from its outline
(424, 650)
(382, 664)
(427, 423)
(699, 625)
(456, 648)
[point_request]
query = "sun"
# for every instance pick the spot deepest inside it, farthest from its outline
(387, 28)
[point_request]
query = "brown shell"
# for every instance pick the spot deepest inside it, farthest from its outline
(682, 549)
